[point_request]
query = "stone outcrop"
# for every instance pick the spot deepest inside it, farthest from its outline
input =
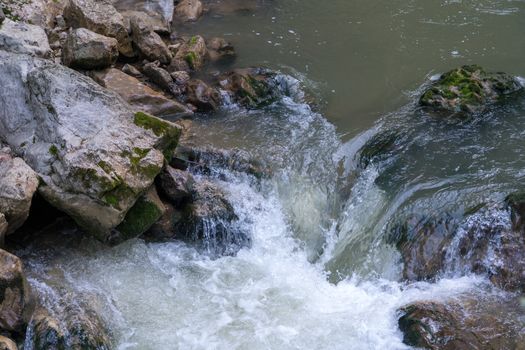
(16, 304)
(95, 156)
(250, 87)
(85, 49)
(24, 38)
(188, 10)
(18, 183)
(140, 96)
(148, 42)
(100, 17)
(468, 89)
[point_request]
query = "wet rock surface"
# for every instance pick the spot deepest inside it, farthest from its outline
(146, 39)
(468, 89)
(188, 10)
(85, 49)
(191, 55)
(249, 87)
(203, 96)
(464, 324)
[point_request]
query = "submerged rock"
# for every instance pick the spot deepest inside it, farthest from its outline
(149, 43)
(190, 55)
(468, 89)
(249, 87)
(18, 184)
(100, 17)
(377, 147)
(95, 156)
(203, 96)
(220, 50)
(140, 96)
(16, 303)
(85, 49)
(19, 37)
(468, 324)
(188, 10)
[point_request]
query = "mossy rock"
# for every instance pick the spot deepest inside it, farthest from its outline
(169, 134)
(251, 87)
(468, 90)
(146, 211)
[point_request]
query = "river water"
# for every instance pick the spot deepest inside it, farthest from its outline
(320, 273)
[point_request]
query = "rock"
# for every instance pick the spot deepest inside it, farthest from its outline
(151, 20)
(130, 70)
(146, 211)
(191, 54)
(73, 328)
(188, 10)
(7, 344)
(175, 184)
(85, 49)
(209, 219)
(149, 43)
(484, 241)
(95, 156)
(249, 87)
(140, 96)
(159, 76)
(16, 304)
(100, 17)
(202, 96)
(3, 229)
(159, 13)
(2, 16)
(37, 12)
(467, 324)
(378, 147)
(516, 203)
(164, 228)
(206, 160)
(180, 77)
(220, 50)
(19, 37)
(468, 89)
(18, 184)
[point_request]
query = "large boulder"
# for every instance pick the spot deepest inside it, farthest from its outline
(154, 21)
(16, 303)
(94, 154)
(188, 10)
(100, 17)
(18, 183)
(85, 49)
(190, 55)
(149, 43)
(468, 89)
(140, 96)
(464, 324)
(24, 38)
(250, 87)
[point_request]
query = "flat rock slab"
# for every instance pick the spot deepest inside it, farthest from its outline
(139, 95)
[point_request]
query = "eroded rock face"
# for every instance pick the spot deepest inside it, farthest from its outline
(249, 87)
(140, 96)
(148, 42)
(94, 154)
(468, 89)
(16, 304)
(18, 183)
(188, 10)
(100, 17)
(465, 324)
(203, 96)
(85, 49)
(19, 37)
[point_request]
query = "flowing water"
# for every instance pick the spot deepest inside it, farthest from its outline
(320, 273)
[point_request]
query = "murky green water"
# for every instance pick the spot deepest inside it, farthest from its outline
(365, 55)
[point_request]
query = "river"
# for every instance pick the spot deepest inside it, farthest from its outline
(320, 273)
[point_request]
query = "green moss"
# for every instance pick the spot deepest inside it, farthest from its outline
(149, 122)
(105, 166)
(53, 150)
(139, 218)
(119, 193)
(194, 40)
(191, 59)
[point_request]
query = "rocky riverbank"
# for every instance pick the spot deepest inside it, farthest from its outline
(95, 131)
